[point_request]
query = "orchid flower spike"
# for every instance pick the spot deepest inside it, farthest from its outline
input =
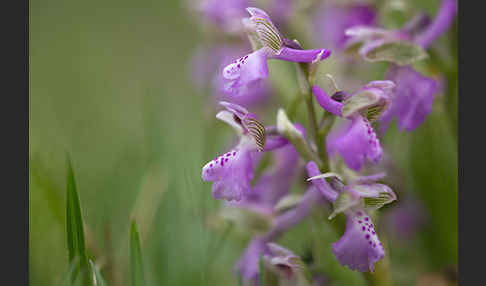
(267, 43)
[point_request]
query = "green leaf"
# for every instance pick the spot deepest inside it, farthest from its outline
(74, 227)
(400, 53)
(261, 271)
(240, 279)
(136, 257)
(98, 278)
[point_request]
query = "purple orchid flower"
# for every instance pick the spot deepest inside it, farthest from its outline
(413, 97)
(250, 69)
(414, 94)
(355, 140)
(359, 247)
(332, 20)
(232, 172)
(224, 14)
(206, 66)
(406, 219)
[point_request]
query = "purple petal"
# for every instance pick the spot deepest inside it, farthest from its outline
(231, 174)
(245, 71)
(247, 266)
(359, 247)
(302, 56)
(441, 23)
(276, 182)
(329, 104)
(225, 14)
(412, 98)
(355, 141)
(332, 20)
(256, 93)
(321, 184)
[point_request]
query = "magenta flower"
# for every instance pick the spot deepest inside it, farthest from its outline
(276, 182)
(359, 247)
(371, 98)
(332, 20)
(414, 94)
(224, 14)
(355, 140)
(247, 266)
(247, 71)
(412, 100)
(232, 172)
(206, 69)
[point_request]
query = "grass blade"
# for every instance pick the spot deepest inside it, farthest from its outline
(98, 278)
(240, 279)
(74, 228)
(66, 280)
(261, 271)
(136, 257)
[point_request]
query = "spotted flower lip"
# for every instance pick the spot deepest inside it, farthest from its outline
(232, 172)
(359, 247)
(252, 68)
(412, 100)
(356, 142)
(206, 66)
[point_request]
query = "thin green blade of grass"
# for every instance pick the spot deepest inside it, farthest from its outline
(67, 278)
(240, 279)
(138, 278)
(261, 271)
(74, 228)
(98, 278)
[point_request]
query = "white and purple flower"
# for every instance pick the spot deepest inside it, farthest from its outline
(412, 98)
(359, 247)
(355, 140)
(248, 70)
(414, 94)
(232, 172)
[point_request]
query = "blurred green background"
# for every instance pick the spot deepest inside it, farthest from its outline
(109, 85)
